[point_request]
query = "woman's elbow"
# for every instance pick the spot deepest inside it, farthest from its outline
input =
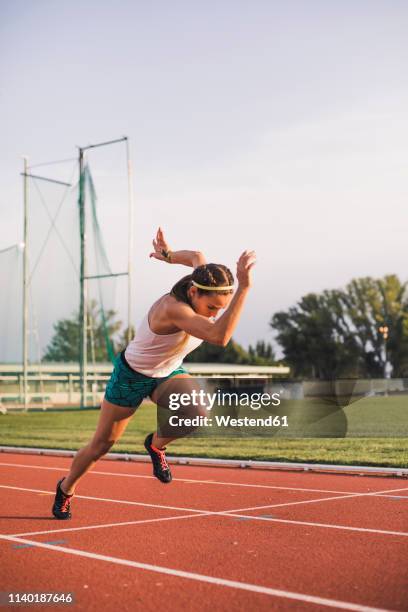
(199, 259)
(219, 340)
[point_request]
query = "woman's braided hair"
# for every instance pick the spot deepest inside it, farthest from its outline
(210, 275)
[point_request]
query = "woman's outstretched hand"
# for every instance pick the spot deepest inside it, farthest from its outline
(244, 266)
(161, 248)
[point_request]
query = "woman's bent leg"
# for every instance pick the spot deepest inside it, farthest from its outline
(160, 396)
(113, 421)
(155, 443)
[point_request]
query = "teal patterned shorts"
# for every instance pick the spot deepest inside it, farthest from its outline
(128, 388)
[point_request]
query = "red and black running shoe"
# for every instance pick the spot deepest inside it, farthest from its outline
(161, 468)
(62, 503)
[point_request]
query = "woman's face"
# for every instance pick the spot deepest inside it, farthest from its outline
(208, 305)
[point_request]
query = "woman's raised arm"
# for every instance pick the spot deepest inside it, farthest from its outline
(220, 331)
(162, 251)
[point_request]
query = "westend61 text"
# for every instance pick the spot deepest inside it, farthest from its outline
(223, 398)
(227, 421)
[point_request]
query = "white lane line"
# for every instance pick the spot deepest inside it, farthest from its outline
(104, 525)
(229, 515)
(245, 586)
(192, 480)
(107, 499)
(314, 501)
(147, 505)
(325, 525)
(224, 513)
(133, 503)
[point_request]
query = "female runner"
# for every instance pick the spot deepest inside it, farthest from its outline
(175, 325)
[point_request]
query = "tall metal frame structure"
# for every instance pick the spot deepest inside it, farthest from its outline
(83, 262)
(83, 303)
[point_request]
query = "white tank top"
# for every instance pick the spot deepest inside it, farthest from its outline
(157, 355)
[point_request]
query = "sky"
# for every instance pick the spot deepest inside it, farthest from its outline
(278, 127)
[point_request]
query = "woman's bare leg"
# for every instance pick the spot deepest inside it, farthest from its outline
(159, 396)
(113, 421)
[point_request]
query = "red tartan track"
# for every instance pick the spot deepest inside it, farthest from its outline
(214, 539)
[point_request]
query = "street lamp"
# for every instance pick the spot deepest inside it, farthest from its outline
(384, 329)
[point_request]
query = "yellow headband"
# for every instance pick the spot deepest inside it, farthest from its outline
(206, 288)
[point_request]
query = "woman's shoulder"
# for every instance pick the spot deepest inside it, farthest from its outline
(171, 303)
(163, 302)
(166, 304)
(161, 313)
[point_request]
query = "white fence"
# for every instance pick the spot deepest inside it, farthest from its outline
(58, 384)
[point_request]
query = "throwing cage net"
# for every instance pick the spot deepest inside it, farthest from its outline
(52, 375)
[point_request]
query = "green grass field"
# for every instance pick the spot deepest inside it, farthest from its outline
(71, 429)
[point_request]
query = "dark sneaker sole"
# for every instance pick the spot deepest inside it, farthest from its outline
(61, 516)
(164, 478)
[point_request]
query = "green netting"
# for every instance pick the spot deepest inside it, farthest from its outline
(101, 291)
(53, 247)
(54, 252)
(105, 183)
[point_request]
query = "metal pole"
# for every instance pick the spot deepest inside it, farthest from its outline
(385, 358)
(82, 302)
(25, 289)
(44, 178)
(384, 330)
(130, 237)
(104, 144)
(83, 272)
(385, 363)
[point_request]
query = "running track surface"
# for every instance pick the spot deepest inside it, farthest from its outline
(214, 539)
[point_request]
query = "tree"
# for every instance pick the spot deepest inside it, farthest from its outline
(262, 353)
(64, 345)
(371, 304)
(336, 333)
(123, 341)
(232, 353)
(315, 338)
